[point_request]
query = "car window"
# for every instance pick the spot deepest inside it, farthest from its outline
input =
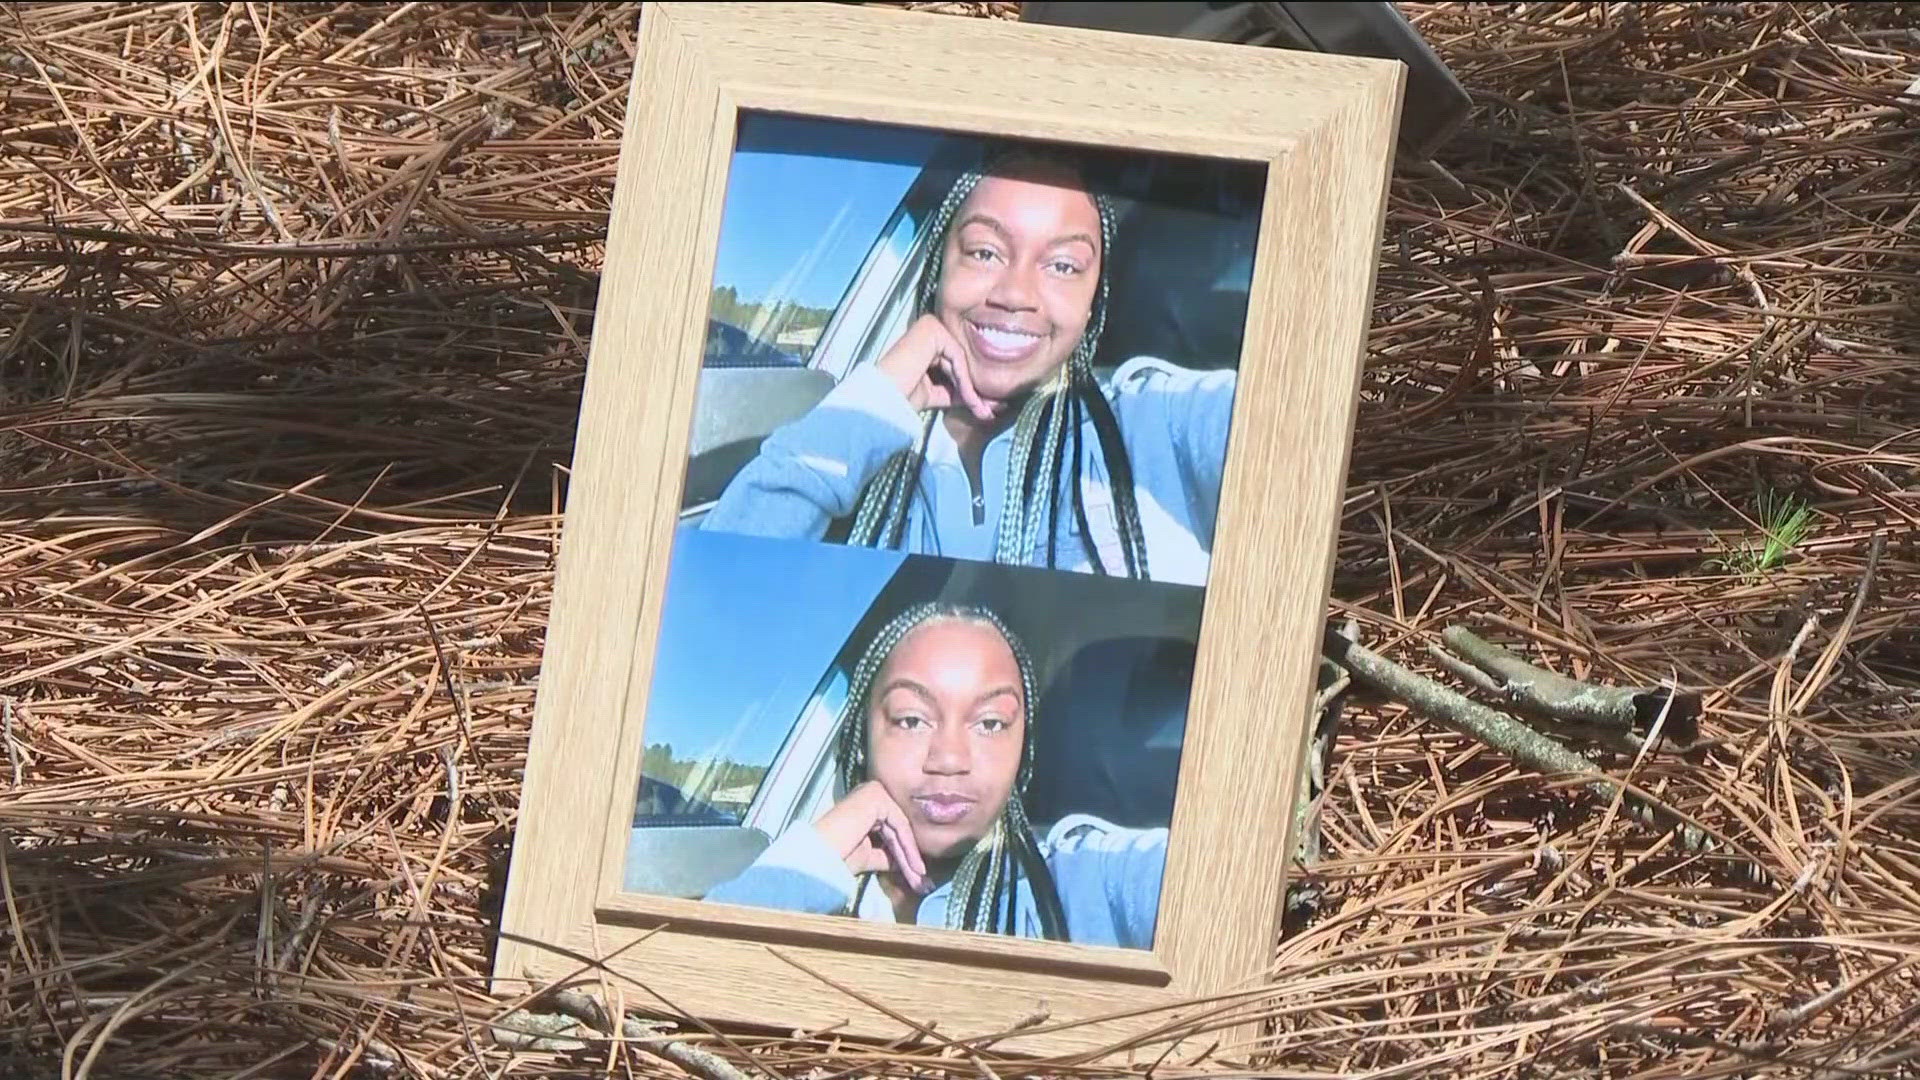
(879, 303)
(738, 715)
(806, 204)
(799, 785)
(700, 791)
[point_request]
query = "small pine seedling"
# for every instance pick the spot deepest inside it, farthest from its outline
(1784, 523)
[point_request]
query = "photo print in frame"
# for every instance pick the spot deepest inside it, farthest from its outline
(952, 516)
(948, 346)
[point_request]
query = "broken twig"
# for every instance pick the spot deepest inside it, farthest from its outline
(1523, 744)
(1584, 708)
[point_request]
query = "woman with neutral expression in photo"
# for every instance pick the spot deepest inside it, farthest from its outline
(944, 733)
(934, 760)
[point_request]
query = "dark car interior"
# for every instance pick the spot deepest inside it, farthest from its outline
(1111, 727)
(1182, 260)
(1182, 263)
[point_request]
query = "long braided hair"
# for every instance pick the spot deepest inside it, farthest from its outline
(1047, 459)
(984, 886)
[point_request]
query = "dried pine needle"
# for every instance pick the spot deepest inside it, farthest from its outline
(293, 300)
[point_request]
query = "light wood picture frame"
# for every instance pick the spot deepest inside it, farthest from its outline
(1322, 127)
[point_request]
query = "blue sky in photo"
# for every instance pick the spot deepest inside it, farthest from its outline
(805, 200)
(750, 626)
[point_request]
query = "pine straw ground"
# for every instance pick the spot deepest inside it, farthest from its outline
(294, 311)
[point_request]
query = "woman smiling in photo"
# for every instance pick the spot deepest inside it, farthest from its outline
(984, 432)
(934, 756)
